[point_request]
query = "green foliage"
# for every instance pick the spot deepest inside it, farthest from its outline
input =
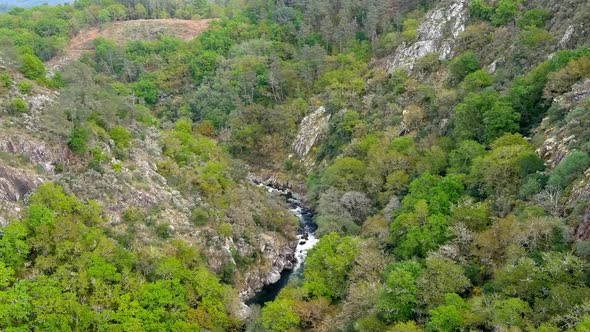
(409, 33)
(18, 105)
(345, 174)
(526, 93)
(535, 37)
(98, 158)
(440, 277)
(510, 312)
(505, 12)
(79, 138)
(120, 135)
(278, 316)
(398, 300)
(447, 317)
(463, 65)
(571, 167)
(461, 158)
(477, 80)
(328, 265)
(499, 120)
(479, 9)
(6, 80)
(83, 274)
(533, 18)
(503, 170)
(24, 87)
(146, 90)
(32, 67)
(422, 224)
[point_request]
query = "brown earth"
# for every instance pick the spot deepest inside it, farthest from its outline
(125, 31)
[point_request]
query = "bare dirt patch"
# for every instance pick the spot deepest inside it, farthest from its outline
(123, 32)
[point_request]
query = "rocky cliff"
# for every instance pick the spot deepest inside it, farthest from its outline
(437, 33)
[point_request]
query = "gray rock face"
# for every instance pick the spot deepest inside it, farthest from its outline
(558, 139)
(15, 184)
(436, 34)
(280, 255)
(37, 152)
(313, 126)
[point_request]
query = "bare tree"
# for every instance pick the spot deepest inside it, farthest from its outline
(549, 199)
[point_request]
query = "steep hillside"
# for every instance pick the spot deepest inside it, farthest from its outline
(122, 33)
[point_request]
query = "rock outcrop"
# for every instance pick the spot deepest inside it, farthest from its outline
(313, 126)
(436, 34)
(34, 150)
(280, 255)
(560, 138)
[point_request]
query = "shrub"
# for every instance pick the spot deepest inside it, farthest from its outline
(117, 167)
(18, 105)
(478, 9)
(477, 80)
(79, 138)
(505, 12)
(163, 230)
(199, 216)
(147, 90)
(569, 169)
(535, 37)
(5, 80)
(25, 87)
(463, 65)
(32, 67)
(98, 157)
(533, 18)
(121, 137)
(410, 26)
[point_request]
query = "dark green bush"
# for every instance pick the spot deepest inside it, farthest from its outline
(79, 138)
(18, 105)
(32, 67)
(569, 169)
(463, 65)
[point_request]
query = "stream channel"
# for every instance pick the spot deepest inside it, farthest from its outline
(306, 239)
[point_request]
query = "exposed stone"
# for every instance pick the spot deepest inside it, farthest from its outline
(567, 36)
(310, 131)
(15, 184)
(34, 150)
(436, 34)
(557, 140)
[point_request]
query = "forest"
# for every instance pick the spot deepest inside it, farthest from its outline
(449, 177)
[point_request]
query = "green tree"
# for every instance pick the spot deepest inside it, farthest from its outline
(441, 276)
(477, 80)
(571, 167)
(511, 312)
(505, 12)
(533, 18)
(499, 120)
(503, 170)
(32, 67)
(398, 300)
(346, 174)
(120, 135)
(463, 65)
(328, 265)
(79, 138)
(461, 158)
(278, 316)
(147, 90)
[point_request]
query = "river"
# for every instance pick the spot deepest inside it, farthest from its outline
(306, 240)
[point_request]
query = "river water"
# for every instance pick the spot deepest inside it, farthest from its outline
(306, 240)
